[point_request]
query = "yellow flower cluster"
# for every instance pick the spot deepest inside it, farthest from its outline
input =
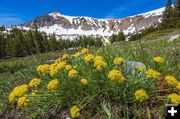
(116, 75)
(53, 85)
(65, 56)
(178, 86)
(72, 73)
(140, 68)
(152, 74)
(78, 54)
(68, 67)
(118, 61)
(61, 65)
(34, 93)
(84, 50)
(174, 98)
(171, 80)
(18, 91)
(84, 82)
(99, 63)
(75, 112)
(141, 95)
(43, 69)
(89, 57)
(98, 58)
(53, 70)
(57, 61)
(159, 60)
(35, 82)
(23, 101)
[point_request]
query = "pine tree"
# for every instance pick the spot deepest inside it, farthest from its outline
(177, 13)
(120, 36)
(20, 44)
(112, 38)
(177, 8)
(1, 45)
(168, 20)
(53, 43)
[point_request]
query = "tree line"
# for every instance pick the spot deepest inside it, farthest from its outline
(117, 37)
(170, 20)
(19, 43)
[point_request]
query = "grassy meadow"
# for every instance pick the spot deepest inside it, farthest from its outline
(94, 83)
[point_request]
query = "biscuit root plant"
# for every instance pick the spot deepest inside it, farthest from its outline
(100, 83)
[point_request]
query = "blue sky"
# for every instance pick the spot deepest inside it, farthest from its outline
(20, 11)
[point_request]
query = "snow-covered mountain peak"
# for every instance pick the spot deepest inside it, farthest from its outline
(56, 14)
(154, 12)
(64, 25)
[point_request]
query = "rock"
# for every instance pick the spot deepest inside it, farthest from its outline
(68, 117)
(173, 38)
(50, 61)
(132, 65)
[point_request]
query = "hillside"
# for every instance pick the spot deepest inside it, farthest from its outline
(100, 93)
(71, 26)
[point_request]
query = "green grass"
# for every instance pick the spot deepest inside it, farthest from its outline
(102, 99)
(161, 34)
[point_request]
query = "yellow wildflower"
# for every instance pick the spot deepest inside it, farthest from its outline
(116, 75)
(23, 101)
(34, 93)
(35, 82)
(89, 58)
(171, 80)
(98, 58)
(140, 68)
(53, 71)
(158, 59)
(53, 85)
(152, 74)
(44, 69)
(84, 50)
(52, 66)
(118, 61)
(20, 90)
(61, 65)
(178, 86)
(141, 95)
(12, 97)
(74, 111)
(84, 82)
(57, 61)
(39, 68)
(78, 54)
(72, 73)
(17, 92)
(65, 56)
(99, 64)
(68, 67)
(174, 98)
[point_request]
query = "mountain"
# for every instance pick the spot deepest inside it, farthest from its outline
(71, 26)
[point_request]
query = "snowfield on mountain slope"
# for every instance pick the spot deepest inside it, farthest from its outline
(69, 27)
(59, 30)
